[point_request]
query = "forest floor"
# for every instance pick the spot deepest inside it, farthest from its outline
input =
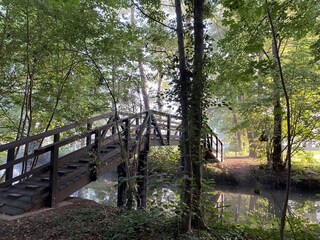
(74, 218)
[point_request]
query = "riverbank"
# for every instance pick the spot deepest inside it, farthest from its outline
(248, 172)
(80, 219)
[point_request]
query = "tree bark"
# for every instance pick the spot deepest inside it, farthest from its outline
(143, 86)
(184, 102)
(277, 128)
(278, 65)
(196, 112)
(238, 133)
(252, 144)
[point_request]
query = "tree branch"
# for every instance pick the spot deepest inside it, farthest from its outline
(150, 17)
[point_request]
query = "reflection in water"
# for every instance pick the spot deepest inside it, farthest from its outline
(249, 209)
(104, 190)
(241, 206)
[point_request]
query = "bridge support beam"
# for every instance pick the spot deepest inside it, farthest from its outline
(122, 185)
(142, 180)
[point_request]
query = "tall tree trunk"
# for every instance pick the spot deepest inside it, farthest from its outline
(184, 102)
(159, 100)
(196, 111)
(252, 144)
(278, 65)
(143, 86)
(143, 78)
(238, 133)
(277, 128)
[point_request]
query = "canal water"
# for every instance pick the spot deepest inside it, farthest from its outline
(228, 203)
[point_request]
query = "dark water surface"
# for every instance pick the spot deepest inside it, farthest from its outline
(230, 203)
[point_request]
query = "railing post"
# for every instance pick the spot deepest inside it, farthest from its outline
(54, 164)
(56, 137)
(222, 152)
(10, 158)
(97, 144)
(168, 129)
(217, 147)
(88, 139)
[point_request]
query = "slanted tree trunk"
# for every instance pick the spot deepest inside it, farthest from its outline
(184, 102)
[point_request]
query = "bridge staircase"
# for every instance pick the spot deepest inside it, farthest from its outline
(50, 173)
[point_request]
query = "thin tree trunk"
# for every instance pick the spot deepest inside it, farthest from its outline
(184, 102)
(143, 78)
(277, 128)
(288, 113)
(159, 103)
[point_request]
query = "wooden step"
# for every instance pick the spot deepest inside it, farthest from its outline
(32, 187)
(112, 146)
(72, 166)
(62, 172)
(37, 181)
(45, 179)
(104, 150)
(12, 211)
(17, 203)
(85, 160)
(14, 195)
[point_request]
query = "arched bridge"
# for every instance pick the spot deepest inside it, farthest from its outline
(41, 170)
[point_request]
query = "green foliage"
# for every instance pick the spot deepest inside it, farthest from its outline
(141, 224)
(164, 160)
(244, 64)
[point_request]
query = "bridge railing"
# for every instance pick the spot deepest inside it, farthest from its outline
(13, 158)
(215, 145)
(130, 127)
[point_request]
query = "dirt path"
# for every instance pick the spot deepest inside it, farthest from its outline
(238, 170)
(242, 166)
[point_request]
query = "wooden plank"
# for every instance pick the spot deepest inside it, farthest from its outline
(25, 175)
(10, 159)
(12, 211)
(54, 157)
(158, 130)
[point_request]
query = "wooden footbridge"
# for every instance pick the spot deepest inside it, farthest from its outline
(47, 174)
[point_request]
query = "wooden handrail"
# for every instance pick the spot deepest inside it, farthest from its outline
(52, 132)
(168, 124)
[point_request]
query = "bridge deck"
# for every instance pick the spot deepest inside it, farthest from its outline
(52, 182)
